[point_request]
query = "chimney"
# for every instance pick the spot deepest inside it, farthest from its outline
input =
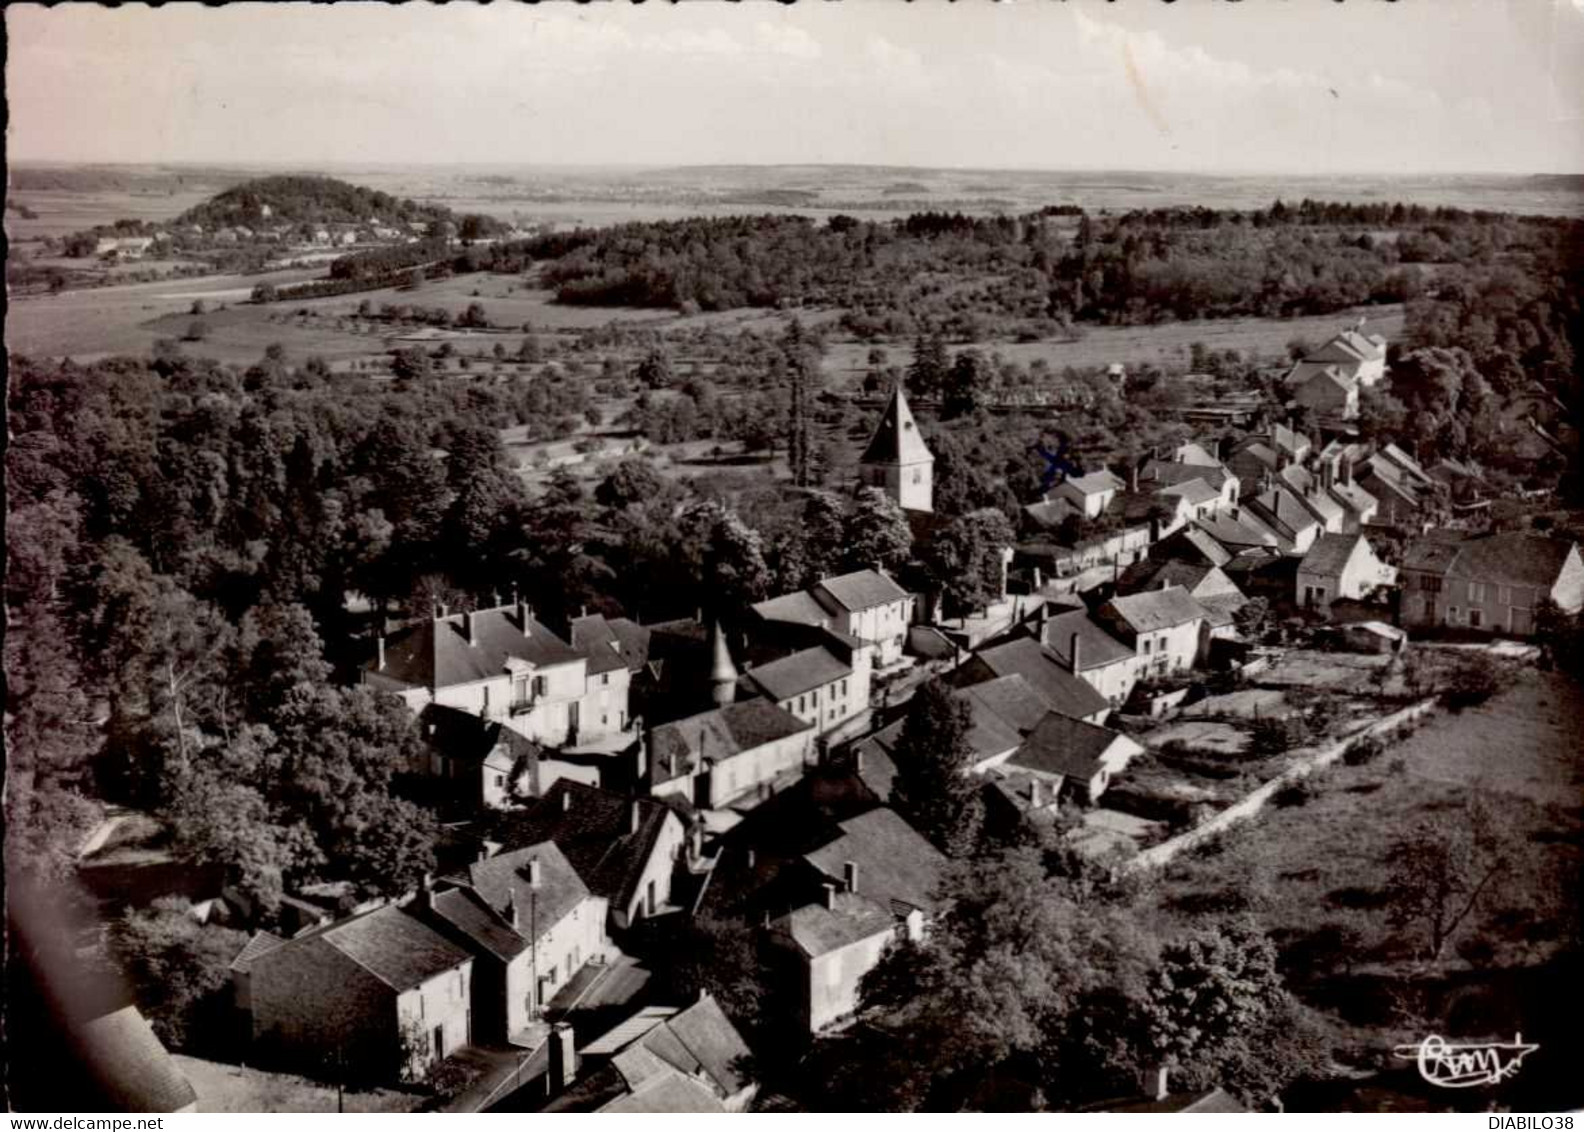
(445, 610)
(830, 896)
(858, 762)
(850, 875)
(1165, 584)
(696, 842)
(1133, 480)
(494, 599)
(563, 1057)
(1074, 656)
(514, 912)
(585, 611)
(1036, 794)
(634, 816)
(534, 873)
(752, 858)
(380, 647)
(467, 628)
(1157, 1084)
(566, 800)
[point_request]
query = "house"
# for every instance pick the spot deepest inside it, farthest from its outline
(132, 1070)
(1398, 497)
(897, 460)
(626, 850)
(1259, 455)
(1073, 756)
(321, 236)
(664, 1059)
(1325, 389)
(1163, 626)
(1340, 566)
(1190, 464)
(383, 994)
(1310, 489)
(1051, 680)
(826, 685)
(480, 761)
(503, 664)
(1192, 544)
(1090, 495)
(876, 882)
(617, 649)
(866, 604)
(1283, 513)
(1001, 711)
(731, 752)
(1357, 359)
(1492, 582)
(1087, 650)
(532, 924)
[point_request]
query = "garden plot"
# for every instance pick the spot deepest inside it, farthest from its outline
(1201, 735)
(1335, 671)
(1249, 703)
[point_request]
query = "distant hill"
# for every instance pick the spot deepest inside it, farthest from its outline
(307, 200)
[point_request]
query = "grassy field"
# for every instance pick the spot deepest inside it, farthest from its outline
(1316, 869)
(232, 1088)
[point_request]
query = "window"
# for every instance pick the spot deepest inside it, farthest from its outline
(541, 685)
(1452, 615)
(1504, 595)
(844, 689)
(486, 697)
(1477, 592)
(1147, 644)
(802, 704)
(605, 679)
(1430, 585)
(918, 475)
(1476, 618)
(500, 780)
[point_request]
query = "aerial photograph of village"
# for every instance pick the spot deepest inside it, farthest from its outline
(881, 557)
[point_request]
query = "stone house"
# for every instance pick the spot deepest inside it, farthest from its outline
(1340, 566)
(728, 753)
(1492, 583)
(866, 604)
(383, 994)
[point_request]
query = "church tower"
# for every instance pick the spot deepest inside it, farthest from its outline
(897, 460)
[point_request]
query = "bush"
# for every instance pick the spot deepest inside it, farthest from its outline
(1471, 684)
(1298, 793)
(451, 1077)
(1362, 752)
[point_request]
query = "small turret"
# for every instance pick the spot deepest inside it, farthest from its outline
(723, 673)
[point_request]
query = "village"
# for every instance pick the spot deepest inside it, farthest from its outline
(1249, 612)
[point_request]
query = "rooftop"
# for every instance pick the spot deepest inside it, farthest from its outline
(593, 830)
(1509, 558)
(679, 748)
(818, 930)
(1154, 610)
(1330, 553)
(860, 590)
(436, 652)
(610, 643)
(1096, 647)
(392, 945)
(131, 1066)
(801, 672)
(895, 863)
(799, 608)
(1070, 747)
(505, 879)
(1054, 682)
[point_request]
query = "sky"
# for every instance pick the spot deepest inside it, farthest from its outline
(1278, 86)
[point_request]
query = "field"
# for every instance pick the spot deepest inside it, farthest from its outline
(232, 1088)
(1315, 871)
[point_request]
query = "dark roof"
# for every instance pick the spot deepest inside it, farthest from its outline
(592, 828)
(1214, 1100)
(1280, 504)
(469, 737)
(701, 1039)
(610, 644)
(799, 608)
(1012, 699)
(1194, 491)
(1096, 483)
(1329, 555)
(503, 879)
(896, 439)
(1201, 542)
(666, 1091)
(393, 946)
(1153, 610)
(677, 749)
(862, 589)
(1026, 657)
(818, 930)
(435, 653)
(486, 928)
(1148, 574)
(878, 769)
(801, 672)
(1170, 472)
(132, 1068)
(1066, 746)
(262, 943)
(1509, 558)
(895, 862)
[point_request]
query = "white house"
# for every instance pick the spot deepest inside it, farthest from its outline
(1340, 566)
(727, 753)
(866, 604)
(504, 665)
(1163, 626)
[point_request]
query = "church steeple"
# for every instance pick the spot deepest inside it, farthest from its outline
(897, 459)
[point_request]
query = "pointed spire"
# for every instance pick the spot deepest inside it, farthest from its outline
(723, 673)
(898, 439)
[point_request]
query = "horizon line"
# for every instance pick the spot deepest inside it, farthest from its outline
(16, 160)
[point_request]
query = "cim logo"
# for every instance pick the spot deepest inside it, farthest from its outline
(1469, 1064)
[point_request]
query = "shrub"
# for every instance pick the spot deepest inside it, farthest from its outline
(1298, 793)
(1362, 752)
(1471, 684)
(451, 1077)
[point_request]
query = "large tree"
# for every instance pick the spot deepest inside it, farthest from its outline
(964, 560)
(877, 534)
(934, 789)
